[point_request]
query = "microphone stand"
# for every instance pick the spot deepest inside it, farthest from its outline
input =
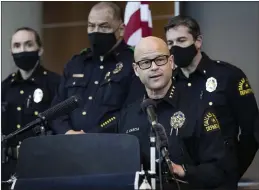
(162, 143)
(151, 174)
(4, 157)
(152, 171)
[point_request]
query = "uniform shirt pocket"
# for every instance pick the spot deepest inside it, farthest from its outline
(113, 91)
(75, 86)
(216, 98)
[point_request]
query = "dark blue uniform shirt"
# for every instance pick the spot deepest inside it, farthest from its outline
(256, 126)
(22, 100)
(103, 83)
(198, 144)
(225, 88)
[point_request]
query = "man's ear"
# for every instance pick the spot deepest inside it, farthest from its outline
(121, 29)
(135, 67)
(41, 50)
(198, 42)
(171, 61)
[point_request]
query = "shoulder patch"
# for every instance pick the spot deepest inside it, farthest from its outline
(210, 122)
(244, 87)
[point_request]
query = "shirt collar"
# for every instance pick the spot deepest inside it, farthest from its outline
(171, 96)
(34, 78)
(203, 68)
(112, 55)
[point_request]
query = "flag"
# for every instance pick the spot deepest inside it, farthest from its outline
(138, 22)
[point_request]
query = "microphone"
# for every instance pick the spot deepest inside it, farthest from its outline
(161, 136)
(148, 106)
(54, 112)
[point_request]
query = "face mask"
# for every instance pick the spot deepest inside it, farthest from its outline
(101, 43)
(26, 60)
(183, 56)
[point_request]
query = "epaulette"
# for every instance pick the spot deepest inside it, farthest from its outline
(83, 51)
(220, 62)
(227, 65)
(12, 75)
(9, 78)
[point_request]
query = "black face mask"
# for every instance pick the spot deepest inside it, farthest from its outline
(183, 56)
(26, 60)
(101, 43)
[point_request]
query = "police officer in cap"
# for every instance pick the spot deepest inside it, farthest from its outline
(214, 84)
(25, 93)
(196, 145)
(100, 75)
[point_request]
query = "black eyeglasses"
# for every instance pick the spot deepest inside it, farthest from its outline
(159, 61)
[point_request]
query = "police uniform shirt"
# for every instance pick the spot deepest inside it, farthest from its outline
(22, 100)
(225, 88)
(256, 129)
(193, 133)
(103, 84)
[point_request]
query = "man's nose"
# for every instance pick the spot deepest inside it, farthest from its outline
(154, 66)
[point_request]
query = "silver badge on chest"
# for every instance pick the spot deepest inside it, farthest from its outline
(38, 95)
(211, 84)
(177, 121)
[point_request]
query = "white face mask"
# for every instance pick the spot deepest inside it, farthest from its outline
(37, 95)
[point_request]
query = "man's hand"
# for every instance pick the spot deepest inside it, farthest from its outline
(72, 132)
(178, 169)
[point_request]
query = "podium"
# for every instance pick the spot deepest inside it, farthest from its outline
(78, 162)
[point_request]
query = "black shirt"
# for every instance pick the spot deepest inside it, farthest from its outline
(22, 100)
(198, 144)
(103, 83)
(256, 126)
(225, 88)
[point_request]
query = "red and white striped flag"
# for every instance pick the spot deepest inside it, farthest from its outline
(138, 22)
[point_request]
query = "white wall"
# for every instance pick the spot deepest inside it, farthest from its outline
(231, 33)
(15, 15)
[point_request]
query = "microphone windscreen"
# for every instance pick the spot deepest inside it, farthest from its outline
(61, 108)
(146, 103)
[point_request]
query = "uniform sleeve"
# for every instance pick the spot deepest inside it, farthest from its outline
(206, 173)
(242, 101)
(4, 106)
(4, 88)
(256, 129)
(62, 124)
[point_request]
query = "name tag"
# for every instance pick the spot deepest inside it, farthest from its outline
(78, 75)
